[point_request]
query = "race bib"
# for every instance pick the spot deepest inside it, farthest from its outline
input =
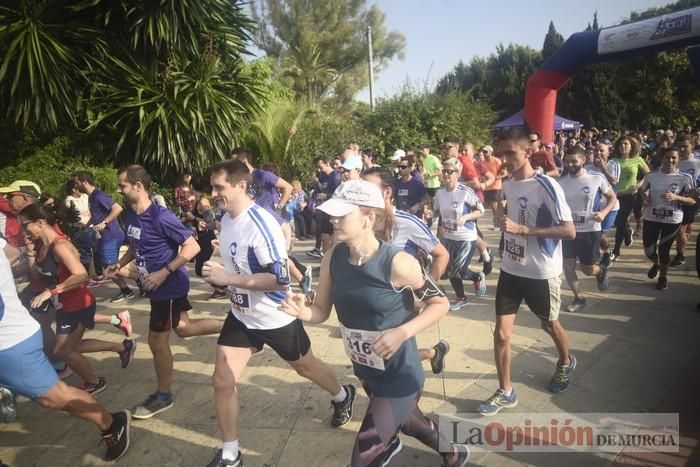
(239, 300)
(662, 212)
(515, 248)
(579, 218)
(449, 224)
(358, 346)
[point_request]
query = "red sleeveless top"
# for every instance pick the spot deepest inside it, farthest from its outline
(54, 272)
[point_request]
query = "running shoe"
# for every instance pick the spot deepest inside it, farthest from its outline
(463, 454)
(662, 283)
(315, 253)
(488, 265)
(602, 278)
(607, 259)
(498, 401)
(153, 405)
(219, 461)
(629, 236)
(96, 388)
(653, 271)
(576, 305)
(459, 304)
(495, 228)
(480, 285)
(614, 257)
(62, 370)
(127, 355)
(121, 296)
(342, 411)
(562, 376)
(217, 294)
(392, 450)
(635, 232)
(305, 283)
(124, 323)
(8, 405)
(678, 260)
(437, 363)
(117, 436)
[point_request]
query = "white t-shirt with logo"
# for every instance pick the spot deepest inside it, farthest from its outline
(692, 168)
(658, 184)
(453, 205)
(252, 243)
(82, 205)
(585, 195)
(16, 324)
(537, 202)
(614, 170)
(412, 235)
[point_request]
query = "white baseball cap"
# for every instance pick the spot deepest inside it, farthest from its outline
(351, 194)
(353, 162)
(398, 154)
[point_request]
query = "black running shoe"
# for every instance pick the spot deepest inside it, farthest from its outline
(662, 283)
(488, 265)
(342, 411)
(219, 461)
(392, 450)
(653, 271)
(462, 456)
(117, 436)
(437, 363)
(127, 355)
(678, 260)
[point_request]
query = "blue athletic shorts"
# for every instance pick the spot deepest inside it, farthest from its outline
(608, 222)
(109, 252)
(25, 369)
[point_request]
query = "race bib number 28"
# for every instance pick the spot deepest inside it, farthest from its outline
(358, 346)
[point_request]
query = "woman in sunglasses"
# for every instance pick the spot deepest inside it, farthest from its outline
(57, 264)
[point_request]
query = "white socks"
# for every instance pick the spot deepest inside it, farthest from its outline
(229, 450)
(340, 397)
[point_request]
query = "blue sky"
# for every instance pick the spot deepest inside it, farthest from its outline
(440, 33)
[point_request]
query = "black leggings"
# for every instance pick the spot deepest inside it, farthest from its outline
(385, 416)
(650, 236)
(627, 203)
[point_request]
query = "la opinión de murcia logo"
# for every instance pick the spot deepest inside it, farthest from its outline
(673, 26)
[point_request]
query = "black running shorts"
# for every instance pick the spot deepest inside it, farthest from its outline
(543, 296)
(165, 314)
(290, 342)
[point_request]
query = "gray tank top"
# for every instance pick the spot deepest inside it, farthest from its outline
(365, 299)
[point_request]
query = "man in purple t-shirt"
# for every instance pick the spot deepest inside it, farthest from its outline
(160, 246)
(410, 191)
(104, 219)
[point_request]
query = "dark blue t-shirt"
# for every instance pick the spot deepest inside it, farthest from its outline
(408, 193)
(329, 182)
(156, 236)
(100, 205)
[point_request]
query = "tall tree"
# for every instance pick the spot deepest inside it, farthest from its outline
(552, 41)
(336, 30)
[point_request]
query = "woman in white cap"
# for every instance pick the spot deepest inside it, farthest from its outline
(372, 285)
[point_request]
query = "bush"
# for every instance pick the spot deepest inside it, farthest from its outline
(53, 165)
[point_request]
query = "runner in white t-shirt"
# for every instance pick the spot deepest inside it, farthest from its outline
(590, 198)
(537, 218)
(458, 208)
(610, 169)
(691, 166)
(664, 192)
(25, 370)
(257, 276)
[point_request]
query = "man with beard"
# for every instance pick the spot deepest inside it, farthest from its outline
(584, 192)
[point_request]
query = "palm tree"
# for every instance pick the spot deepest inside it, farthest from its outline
(310, 72)
(164, 78)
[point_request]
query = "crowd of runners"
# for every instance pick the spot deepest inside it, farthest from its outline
(386, 236)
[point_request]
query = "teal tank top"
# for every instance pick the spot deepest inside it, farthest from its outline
(365, 299)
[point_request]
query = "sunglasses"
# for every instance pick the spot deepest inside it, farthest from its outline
(403, 167)
(26, 224)
(448, 171)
